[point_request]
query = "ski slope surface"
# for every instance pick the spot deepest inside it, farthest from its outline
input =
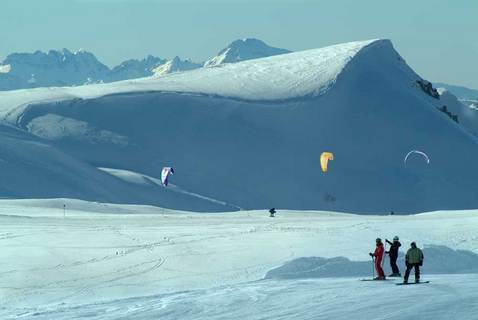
(105, 261)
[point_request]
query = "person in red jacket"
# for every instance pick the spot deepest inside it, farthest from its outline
(378, 255)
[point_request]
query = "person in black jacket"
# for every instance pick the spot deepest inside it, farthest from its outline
(272, 212)
(393, 254)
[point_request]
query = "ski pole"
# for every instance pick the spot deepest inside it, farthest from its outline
(373, 267)
(384, 254)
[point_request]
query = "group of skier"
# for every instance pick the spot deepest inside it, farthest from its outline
(413, 259)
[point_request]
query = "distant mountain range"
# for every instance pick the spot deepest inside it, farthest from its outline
(67, 68)
(467, 96)
(461, 92)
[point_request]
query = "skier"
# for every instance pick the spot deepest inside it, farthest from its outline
(393, 254)
(272, 212)
(413, 259)
(378, 255)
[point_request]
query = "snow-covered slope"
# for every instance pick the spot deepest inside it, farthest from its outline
(175, 65)
(251, 133)
(467, 115)
(103, 261)
(462, 93)
(55, 68)
(33, 168)
(468, 97)
(244, 49)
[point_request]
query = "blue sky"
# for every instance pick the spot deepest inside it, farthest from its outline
(438, 38)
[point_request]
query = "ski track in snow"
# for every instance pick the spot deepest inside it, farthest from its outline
(452, 298)
(179, 265)
(139, 178)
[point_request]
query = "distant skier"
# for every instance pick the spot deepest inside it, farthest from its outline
(272, 212)
(378, 255)
(413, 259)
(393, 255)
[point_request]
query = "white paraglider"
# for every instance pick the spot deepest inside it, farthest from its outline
(421, 153)
(165, 173)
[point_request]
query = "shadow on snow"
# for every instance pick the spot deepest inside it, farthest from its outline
(438, 260)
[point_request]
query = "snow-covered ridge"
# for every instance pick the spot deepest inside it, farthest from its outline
(281, 77)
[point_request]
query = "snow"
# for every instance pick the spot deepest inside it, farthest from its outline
(54, 127)
(467, 116)
(249, 135)
(463, 93)
(281, 77)
(131, 69)
(132, 177)
(103, 261)
(5, 68)
(174, 65)
(145, 180)
(66, 68)
(244, 49)
(54, 68)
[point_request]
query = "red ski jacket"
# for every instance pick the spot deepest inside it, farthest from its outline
(378, 254)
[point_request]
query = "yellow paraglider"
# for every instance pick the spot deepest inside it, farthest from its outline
(325, 157)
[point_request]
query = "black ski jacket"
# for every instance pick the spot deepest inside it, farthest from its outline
(393, 251)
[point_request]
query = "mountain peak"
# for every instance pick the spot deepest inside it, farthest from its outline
(53, 68)
(247, 42)
(244, 49)
(175, 65)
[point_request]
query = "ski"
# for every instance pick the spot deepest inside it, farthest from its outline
(410, 283)
(374, 280)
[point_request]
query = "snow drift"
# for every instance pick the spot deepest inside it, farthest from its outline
(251, 133)
(438, 260)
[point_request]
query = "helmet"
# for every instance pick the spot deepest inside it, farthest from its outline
(378, 240)
(395, 238)
(413, 244)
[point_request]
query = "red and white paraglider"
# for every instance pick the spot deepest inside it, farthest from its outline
(165, 173)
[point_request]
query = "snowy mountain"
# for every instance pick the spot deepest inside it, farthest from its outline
(462, 93)
(467, 96)
(175, 65)
(54, 68)
(66, 68)
(250, 134)
(132, 69)
(461, 112)
(244, 49)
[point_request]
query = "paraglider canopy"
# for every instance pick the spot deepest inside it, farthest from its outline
(165, 173)
(421, 153)
(324, 160)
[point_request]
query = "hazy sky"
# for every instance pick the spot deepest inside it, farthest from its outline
(438, 38)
